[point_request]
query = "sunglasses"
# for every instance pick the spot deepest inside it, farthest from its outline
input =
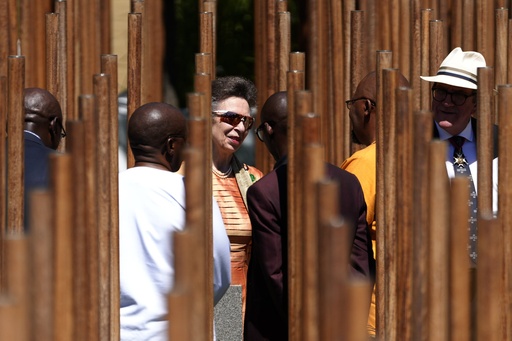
(232, 118)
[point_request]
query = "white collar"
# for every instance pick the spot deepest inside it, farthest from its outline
(467, 133)
(32, 133)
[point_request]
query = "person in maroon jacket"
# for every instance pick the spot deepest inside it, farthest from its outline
(266, 315)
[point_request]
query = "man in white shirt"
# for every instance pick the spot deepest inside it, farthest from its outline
(152, 209)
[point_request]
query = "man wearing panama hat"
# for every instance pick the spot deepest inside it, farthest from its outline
(454, 106)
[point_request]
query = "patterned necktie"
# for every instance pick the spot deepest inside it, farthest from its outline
(461, 168)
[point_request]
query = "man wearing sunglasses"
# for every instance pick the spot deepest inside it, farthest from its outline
(43, 131)
(267, 296)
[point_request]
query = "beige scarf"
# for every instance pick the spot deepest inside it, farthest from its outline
(243, 177)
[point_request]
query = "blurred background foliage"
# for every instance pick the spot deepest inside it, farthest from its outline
(235, 40)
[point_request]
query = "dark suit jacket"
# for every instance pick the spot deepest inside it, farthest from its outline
(267, 304)
(36, 167)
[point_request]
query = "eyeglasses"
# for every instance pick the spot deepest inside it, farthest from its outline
(259, 131)
(458, 98)
(63, 133)
(351, 102)
(232, 118)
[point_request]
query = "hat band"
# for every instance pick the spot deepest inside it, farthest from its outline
(457, 75)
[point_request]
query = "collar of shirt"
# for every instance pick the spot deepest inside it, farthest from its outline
(32, 133)
(467, 133)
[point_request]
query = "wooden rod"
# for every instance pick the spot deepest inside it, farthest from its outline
(134, 70)
(283, 42)
(390, 81)
(101, 84)
(62, 61)
(501, 46)
(423, 122)
(383, 61)
(426, 97)
(62, 190)
(109, 67)
(405, 217)
(468, 23)
(485, 152)
(203, 63)
(87, 112)
(206, 36)
(18, 279)
(210, 6)
(297, 61)
(489, 294)
(403, 15)
(3, 176)
(415, 71)
(484, 19)
(459, 278)
(4, 32)
(72, 94)
(333, 238)
(438, 243)
(295, 82)
(76, 148)
(436, 45)
(15, 144)
(509, 53)
(52, 33)
(201, 307)
(313, 171)
(340, 123)
(505, 192)
(41, 265)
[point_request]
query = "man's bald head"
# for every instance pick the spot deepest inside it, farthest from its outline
(43, 115)
(362, 112)
(152, 130)
(275, 108)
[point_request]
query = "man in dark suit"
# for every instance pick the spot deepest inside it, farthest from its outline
(267, 304)
(42, 133)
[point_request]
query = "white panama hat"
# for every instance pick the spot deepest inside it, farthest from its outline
(459, 68)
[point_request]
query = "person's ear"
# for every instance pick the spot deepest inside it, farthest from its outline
(269, 129)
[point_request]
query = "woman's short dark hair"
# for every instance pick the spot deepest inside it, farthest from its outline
(234, 86)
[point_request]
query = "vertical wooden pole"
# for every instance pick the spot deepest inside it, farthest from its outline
(509, 53)
(415, 55)
(52, 33)
(383, 61)
(390, 81)
(3, 176)
(484, 19)
(134, 70)
(17, 323)
(211, 7)
(295, 82)
(333, 246)
(283, 42)
(423, 122)
(438, 246)
(485, 152)
(101, 86)
(62, 60)
(87, 112)
(500, 76)
(459, 279)
(15, 144)
(109, 67)
(41, 265)
(426, 98)
(206, 35)
(61, 183)
(404, 190)
(71, 79)
(505, 196)
(76, 147)
(197, 170)
(489, 279)
(468, 23)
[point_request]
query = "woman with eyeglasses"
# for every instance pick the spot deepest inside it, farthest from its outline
(233, 100)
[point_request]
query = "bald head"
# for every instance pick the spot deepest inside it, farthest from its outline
(275, 108)
(153, 132)
(362, 108)
(43, 115)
